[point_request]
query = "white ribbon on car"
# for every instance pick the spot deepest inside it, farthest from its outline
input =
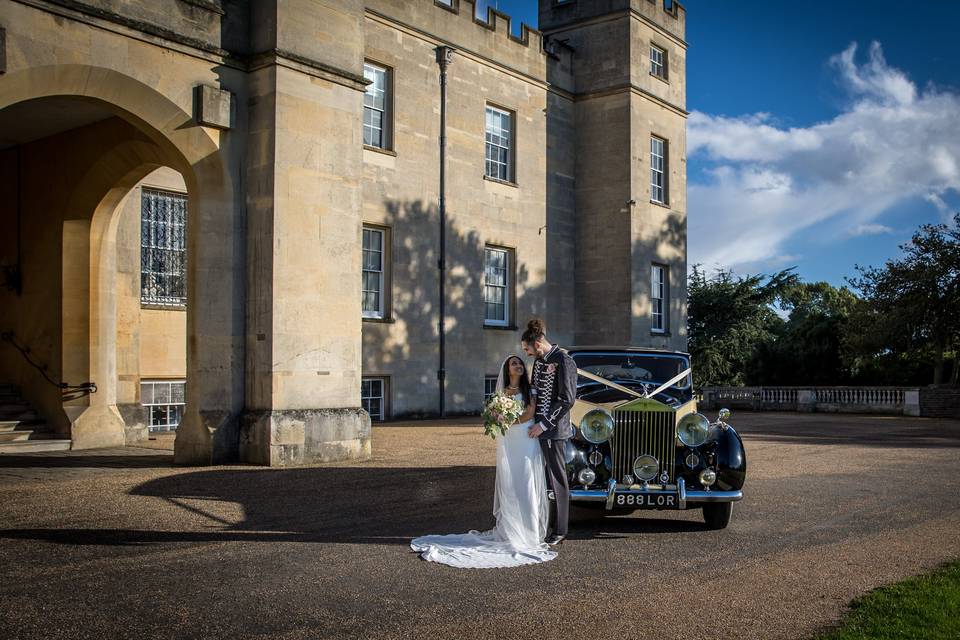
(613, 385)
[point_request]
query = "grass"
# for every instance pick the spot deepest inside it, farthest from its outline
(926, 607)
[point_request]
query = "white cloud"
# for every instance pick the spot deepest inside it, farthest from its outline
(869, 230)
(892, 143)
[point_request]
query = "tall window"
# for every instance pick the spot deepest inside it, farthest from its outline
(163, 231)
(499, 137)
(658, 298)
(376, 106)
(373, 272)
(372, 397)
(496, 286)
(658, 166)
(164, 400)
(489, 387)
(658, 62)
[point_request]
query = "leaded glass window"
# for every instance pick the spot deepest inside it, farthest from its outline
(163, 254)
(499, 132)
(496, 283)
(376, 102)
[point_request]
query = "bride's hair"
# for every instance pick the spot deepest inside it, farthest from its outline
(536, 329)
(524, 379)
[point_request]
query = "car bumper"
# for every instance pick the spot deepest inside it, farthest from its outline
(680, 498)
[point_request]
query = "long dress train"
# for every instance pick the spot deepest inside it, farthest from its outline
(519, 504)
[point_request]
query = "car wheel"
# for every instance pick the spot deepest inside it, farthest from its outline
(717, 514)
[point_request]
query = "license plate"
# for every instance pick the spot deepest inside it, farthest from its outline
(646, 501)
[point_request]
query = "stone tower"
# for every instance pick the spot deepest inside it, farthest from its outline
(627, 79)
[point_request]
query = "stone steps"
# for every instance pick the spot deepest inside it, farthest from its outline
(35, 446)
(22, 430)
(15, 436)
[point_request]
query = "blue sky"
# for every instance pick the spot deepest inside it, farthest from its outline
(821, 133)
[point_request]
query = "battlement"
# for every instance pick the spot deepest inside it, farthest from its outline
(669, 15)
(496, 21)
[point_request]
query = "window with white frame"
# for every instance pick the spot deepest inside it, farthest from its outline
(658, 298)
(489, 387)
(658, 166)
(376, 106)
(164, 401)
(374, 278)
(658, 62)
(163, 248)
(373, 397)
(496, 286)
(499, 139)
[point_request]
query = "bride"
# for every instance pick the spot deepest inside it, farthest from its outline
(519, 498)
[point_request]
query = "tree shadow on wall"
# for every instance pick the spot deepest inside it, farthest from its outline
(406, 346)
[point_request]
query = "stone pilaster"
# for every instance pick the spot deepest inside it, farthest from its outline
(304, 235)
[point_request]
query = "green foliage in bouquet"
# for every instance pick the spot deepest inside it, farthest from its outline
(500, 412)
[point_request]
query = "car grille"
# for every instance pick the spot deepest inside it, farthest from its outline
(643, 432)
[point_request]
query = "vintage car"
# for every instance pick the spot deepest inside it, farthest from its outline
(640, 443)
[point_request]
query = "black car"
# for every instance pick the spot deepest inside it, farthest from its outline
(640, 443)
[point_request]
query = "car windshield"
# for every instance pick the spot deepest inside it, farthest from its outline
(634, 368)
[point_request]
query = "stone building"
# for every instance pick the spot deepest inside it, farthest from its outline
(245, 196)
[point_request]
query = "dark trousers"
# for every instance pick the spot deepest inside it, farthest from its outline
(557, 478)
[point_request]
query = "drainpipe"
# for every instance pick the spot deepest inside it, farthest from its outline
(444, 59)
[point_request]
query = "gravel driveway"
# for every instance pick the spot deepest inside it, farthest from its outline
(120, 544)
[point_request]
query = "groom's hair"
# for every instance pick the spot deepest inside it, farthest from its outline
(536, 329)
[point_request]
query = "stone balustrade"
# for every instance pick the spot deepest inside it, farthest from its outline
(882, 400)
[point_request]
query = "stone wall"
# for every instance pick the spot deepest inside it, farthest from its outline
(940, 401)
(401, 191)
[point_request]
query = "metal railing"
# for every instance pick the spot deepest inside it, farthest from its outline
(67, 390)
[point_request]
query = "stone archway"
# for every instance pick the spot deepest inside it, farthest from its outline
(165, 134)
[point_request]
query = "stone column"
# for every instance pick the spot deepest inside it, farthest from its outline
(806, 400)
(911, 402)
(304, 235)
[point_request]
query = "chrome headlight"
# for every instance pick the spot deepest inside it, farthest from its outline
(693, 429)
(597, 426)
(645, 468)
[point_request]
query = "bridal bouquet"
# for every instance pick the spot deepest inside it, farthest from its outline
(501, 412)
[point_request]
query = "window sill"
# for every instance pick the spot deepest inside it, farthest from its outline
(386, 152)
(663, 334)
(660, 78)
(660, 204)
(162, 307)
(500, 327)
(386, 320)
(499, 181)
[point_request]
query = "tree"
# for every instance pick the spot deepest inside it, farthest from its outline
(727, 318)
(911, 304)
(806, 349)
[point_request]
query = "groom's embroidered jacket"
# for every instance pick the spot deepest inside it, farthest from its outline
(555, 381)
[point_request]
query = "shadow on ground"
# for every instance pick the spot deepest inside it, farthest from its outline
(73, 460)
(332, 505)
(895, 432)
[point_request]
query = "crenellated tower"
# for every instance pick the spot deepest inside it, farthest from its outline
(626, 82)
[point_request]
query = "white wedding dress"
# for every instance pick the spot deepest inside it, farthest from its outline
(519, 504)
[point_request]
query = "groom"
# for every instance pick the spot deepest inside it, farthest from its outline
(555, 384)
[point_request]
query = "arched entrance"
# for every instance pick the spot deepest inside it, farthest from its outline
(74, 140)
